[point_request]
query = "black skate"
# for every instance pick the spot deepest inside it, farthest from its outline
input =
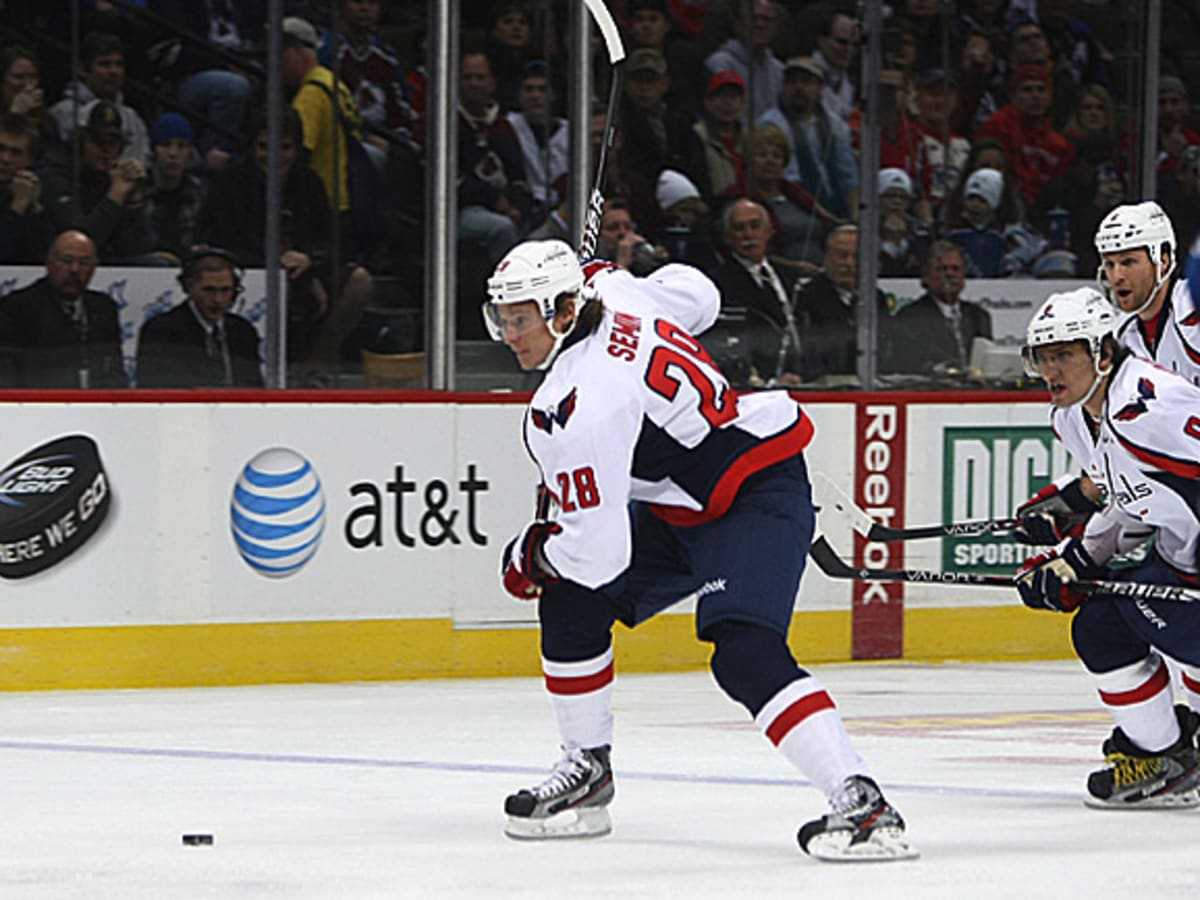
(571, 803)
(1138, 779)
(863, 827)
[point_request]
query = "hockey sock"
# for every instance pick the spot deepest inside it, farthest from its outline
(1190, 676)
(751, 663)
(1139, 698)
(581, 693)
(803, 722)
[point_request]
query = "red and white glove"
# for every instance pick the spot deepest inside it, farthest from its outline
(524, 570)
(1044, 581)
(1054, 513)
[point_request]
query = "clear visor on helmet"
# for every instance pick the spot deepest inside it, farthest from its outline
(1053, 358)
(512, 320)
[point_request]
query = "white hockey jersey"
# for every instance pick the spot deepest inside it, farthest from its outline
(637, 410)
(1145, 454)
(1178, 346)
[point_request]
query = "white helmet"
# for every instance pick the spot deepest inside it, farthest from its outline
(1131, 227)
(1079, 315)
(541, 271)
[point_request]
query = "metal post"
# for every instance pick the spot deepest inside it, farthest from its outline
(579, 117)
(275, 346)
(441, 205)
(1148, 170)
(868, 219)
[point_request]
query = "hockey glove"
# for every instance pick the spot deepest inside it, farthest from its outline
(524, 570)
(1044, 581)
(1054, 513)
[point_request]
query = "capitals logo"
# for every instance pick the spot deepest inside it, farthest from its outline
(545, 419)
(1130, 411)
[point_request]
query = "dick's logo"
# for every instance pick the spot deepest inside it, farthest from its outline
(988, 473)
(277, 513)
(52, 500)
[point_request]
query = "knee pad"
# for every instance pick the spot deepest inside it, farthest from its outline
(751, 663)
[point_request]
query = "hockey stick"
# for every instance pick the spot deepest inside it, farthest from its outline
(616, 57)
(834, 566)
(828, 496)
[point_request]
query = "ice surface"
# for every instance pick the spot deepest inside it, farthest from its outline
(395, 790)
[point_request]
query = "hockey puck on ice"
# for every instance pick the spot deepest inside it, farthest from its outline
(52, 500)
(198, 840)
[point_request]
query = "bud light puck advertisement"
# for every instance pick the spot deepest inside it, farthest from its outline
(52, 500)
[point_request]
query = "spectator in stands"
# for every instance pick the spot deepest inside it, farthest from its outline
(544, 138)
(657, 136)
(324, 134)
(493, 196)
(621, 242)
(943, 152)
(111, 203)
(201, 342)
(1076, 55)
(24, 226)
(986, 153)
(1094, 117)
(207, 90)
(1174, 114)
(933, 335)
(370, 68)
(1036, 152)
(982, 91)
(760, 297)
(683, 221)
(827, 309)
(821, 158)
(101, 77)
(1179, 195)
(928, 26)
(1070, 208)
(20, 84)
(798, 221)
(837, 55)
(174, 195)
(721, 132)
(55, 333)
(900, 135)
(650, 27)
(234, 217)
(902, 236)
(981, 233)
(509, 48)
(750, 47)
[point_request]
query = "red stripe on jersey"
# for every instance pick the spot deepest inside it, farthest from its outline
(806, 706)
(1190, 683)
(774, 450)
(1155, 683)
(1182, 467)
(580, 684)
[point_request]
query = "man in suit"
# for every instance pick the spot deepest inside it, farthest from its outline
(200, 343)
(934, 334)
(827, 310)
(757, 303)
(55, 332)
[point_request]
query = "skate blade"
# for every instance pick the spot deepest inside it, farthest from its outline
(884, 845)
(584, 823)
(1186, 800)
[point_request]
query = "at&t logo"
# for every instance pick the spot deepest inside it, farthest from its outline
(277, 513)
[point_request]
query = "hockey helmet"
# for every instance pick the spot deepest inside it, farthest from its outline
(538, 271)
(1131, 227)
(1079, 315)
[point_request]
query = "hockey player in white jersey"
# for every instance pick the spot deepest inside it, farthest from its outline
(667, 485)
(1136, 428)
(1139, 275)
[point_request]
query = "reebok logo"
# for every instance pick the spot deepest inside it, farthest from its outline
(717, 585)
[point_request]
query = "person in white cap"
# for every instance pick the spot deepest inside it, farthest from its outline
(683, 221)
(902, 236)
(995, 248)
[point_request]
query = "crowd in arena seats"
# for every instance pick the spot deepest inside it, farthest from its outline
(1005, 130)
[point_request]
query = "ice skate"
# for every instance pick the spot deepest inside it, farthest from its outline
(863, 827)
(1138, 779)
(571, 803)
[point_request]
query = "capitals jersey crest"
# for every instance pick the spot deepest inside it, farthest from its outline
(560, 413)
(1130, 411)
